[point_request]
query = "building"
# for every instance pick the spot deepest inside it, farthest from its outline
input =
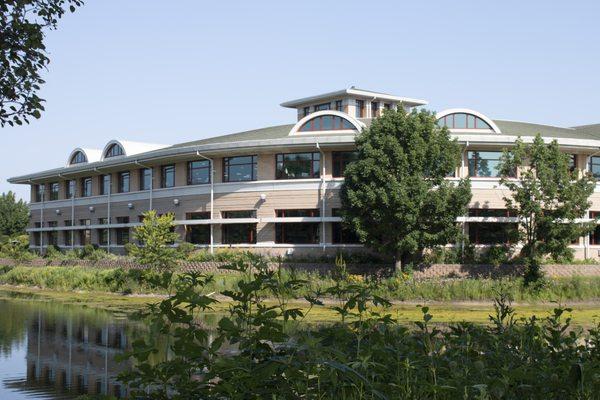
(273, 189)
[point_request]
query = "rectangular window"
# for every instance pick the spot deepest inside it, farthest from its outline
(68, 235)
(124, 182)
(85, 235)
(39, 192)
(298, 166)
(490, 233)
(239, 169)
(360, 108)
(594, 167)
(168, 176)
(484, 163)
(305, 111)
(122, 220)
(572, 162)
(197, 234)
(340, 160)
(595, 235)
(387, 106)
(339, 106)
(323, 107)
(198, 172)
(54, 189)
(340, 233)
(145, 179)
(86, 187)
(52, 235)
(102, 237)
(122, 236)
(374, 109)
(297, 232)
(105, 186)
(70, 189)
(239, 233)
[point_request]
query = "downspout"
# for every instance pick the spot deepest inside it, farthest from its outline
(464, 224)
(72, 210)
(107, 208)
(151, 180)
(212, 197)
(323, 198)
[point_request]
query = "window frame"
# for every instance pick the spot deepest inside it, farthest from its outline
(338, 164)
(228, 230)
(111, 152)
(339, 105)
(322, 107)
(122, 181)
(54, 191)
(142, 176)
(87, 183)
(477, 161)
(104, 188)
(78, 158)
(591, 163)
(359, 106)
(163, 180)
(315, 173)
(227, 167)
(191, 169)
(281, 228)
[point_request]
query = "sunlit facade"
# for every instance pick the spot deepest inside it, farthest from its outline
(275, 189)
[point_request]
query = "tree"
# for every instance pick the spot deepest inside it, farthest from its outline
(547, 197)
(156, 237)
(14, 215)
(395, 196)
(23, 54)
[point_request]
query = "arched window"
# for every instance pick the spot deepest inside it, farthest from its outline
(78, 158)
(327, 123)
(463, 121)
(114, 150)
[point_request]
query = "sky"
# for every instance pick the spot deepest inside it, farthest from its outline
(173, 71)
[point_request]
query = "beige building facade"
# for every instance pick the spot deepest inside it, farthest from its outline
(274, 190)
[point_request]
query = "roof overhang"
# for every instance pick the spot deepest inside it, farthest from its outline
(366, 94)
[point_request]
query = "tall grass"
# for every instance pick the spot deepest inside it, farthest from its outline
(117, 280)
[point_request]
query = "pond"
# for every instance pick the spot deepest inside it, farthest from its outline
(56, 351)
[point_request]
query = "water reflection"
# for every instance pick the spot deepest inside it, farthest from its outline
(55, 351)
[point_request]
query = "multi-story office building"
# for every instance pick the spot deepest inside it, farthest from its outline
(274, 189)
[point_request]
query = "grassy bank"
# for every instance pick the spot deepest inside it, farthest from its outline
(574, 289)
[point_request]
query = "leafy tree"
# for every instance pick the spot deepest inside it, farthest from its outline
(547, 197)
(155, 236)
(23, 54)
(395, 196)
(14, 215)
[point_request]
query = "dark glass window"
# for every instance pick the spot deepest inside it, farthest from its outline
(122, 236)
(52, 235)
(360, 108)
(198, 234)
(103, 237)
(305, 111)
(572, 162)
(298, 166)
(124, 182)
(39, 192)
(86, 187)
(490, 233)
(462, 121)
(340, 160)
(68, 235)
(323, 107)
(374, 109)
(595, 166)
(114, 150)
(297, 232)
(54, 189)
(327, 123)
(238, 169)
(484, 163)
(105, 185)
(595, 235)
(387, 106)
(70, 188)
(145, 179)
(122, 220)
(239, 233)
(339, 105)
(168, 176)
(198, 172)
(78, 158)
(340, 233)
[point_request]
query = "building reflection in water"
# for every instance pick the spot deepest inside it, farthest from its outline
(72, 356)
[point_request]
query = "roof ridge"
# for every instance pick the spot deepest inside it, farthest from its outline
(534, 123)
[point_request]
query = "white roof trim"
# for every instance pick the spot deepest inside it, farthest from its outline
(91, 155)
(355, 92)
(356, 123)
(472, 112)
(131, 148)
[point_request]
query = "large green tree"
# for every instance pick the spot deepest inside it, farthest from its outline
(156, 237)
(14, 215)
(23, 56)
(548, 196)
(395, 196)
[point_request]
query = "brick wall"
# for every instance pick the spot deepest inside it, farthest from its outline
(426, 272)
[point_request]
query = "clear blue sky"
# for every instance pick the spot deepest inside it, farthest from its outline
(172, 71)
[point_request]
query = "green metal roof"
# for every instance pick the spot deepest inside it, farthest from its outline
(514, 128)
(271, 132)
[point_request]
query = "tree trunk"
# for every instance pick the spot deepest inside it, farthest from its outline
(398, 264)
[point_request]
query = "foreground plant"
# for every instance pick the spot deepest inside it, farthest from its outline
(262, 349)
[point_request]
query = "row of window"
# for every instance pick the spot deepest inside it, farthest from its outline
(359, 108)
